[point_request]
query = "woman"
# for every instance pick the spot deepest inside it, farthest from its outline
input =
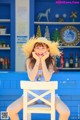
(40, 66)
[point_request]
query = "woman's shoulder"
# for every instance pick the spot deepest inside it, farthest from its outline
(28, 66)
(53, 61)
(28, 60)
(51, 65)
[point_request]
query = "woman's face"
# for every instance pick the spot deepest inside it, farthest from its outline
(40, 50)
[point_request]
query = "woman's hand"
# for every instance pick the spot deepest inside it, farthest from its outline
(45, 56)
(35, 56)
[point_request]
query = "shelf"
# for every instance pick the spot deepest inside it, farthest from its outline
(5, 20)
(69, 46)
(6, 48)
(57, 23)
(4, 34)
(4, 71)
(70, 69)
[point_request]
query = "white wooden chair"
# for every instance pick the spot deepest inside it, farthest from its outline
(48, 107)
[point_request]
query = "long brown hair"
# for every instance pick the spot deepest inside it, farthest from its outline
(50, 60)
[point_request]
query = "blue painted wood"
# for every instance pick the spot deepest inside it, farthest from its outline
(10, 89)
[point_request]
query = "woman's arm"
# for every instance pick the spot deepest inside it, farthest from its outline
(32, 72)
(47, 73)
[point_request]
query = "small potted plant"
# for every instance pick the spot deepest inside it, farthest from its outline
(3, 44)
(0, 44)
(2, 30)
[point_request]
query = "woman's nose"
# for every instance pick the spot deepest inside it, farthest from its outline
(40, 48)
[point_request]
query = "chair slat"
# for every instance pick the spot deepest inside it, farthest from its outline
(39, 85)
(39, 97)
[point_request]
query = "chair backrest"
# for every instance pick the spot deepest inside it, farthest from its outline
(53, 85)
(27, 87)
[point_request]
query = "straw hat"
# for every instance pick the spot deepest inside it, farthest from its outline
(53, 46)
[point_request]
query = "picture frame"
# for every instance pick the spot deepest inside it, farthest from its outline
(70, 36)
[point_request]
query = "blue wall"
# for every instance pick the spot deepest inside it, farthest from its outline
(68, 90)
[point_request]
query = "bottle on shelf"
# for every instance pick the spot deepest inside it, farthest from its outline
(57, 63)
(62, 59)
(0, 63)
(66, 63)
(76, 61)
(79, 62)
(5, 63)
(71, 62)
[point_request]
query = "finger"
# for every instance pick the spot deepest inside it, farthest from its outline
(36, 53)
(32, 52)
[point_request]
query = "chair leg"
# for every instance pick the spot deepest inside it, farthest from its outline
(25, 117)
(53, 116)
(29, 116)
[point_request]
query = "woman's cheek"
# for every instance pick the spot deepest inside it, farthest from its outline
(36, 54)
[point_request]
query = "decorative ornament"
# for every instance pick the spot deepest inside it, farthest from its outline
(38, 34)
(47, 33)
(56, 36)
(64, 15)
(59, 18)
(62, 60)
(70, 35)
(73, 16)
(43, 14)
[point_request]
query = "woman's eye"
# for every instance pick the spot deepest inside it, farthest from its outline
(37, 48)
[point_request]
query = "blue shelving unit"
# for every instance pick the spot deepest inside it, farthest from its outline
(7, 19)
(52, 24)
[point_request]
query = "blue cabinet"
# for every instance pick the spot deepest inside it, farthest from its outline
(57, 12)
(7, 35)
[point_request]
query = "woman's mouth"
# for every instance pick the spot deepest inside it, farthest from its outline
(39, 54)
